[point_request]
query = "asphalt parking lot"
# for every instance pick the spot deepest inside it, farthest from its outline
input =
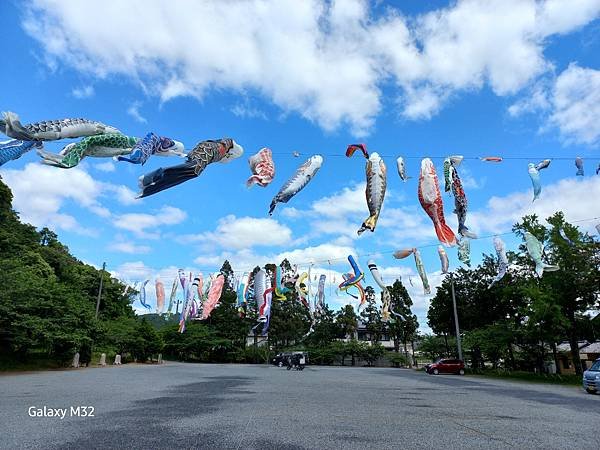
(264, 407)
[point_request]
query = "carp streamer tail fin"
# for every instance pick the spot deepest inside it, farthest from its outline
(464, 231)
(368, 224)
(11, 122)
(164, 178)
(445, 234)
(272, 207)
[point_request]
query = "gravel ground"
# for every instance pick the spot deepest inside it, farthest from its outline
(244, 406)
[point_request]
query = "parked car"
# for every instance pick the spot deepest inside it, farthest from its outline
(591, 378)
(280, 359)
(446, 366)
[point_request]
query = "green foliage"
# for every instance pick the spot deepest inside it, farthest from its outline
(290, 321)
(397, 359)
(325, 331)
(513, 323)
(371, 316)
(48, 297)
(371, 353)
(402, 331)
(434, 347)
(347, 320)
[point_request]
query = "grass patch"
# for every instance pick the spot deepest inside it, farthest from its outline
(568, 379)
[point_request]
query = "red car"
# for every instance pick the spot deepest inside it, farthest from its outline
(446, 366)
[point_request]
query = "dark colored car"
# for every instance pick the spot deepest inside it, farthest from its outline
(446, 366)
(591, 378)
(280, 359)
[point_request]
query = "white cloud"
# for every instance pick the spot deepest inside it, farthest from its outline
(536, 100)
(319, 253)
(469, 181)
(121, 193)
(134, 111)
(245, 259)
(576, 104)
(341, 50)
(290, 212)
(107, 166)
(570, 103)
(248, 112)
(342, 213)
(83, 92)
(129, 247)
(349, 201)
(41, 191)
(576, 198)
(408, 224)
(146, 225)
(243, 232)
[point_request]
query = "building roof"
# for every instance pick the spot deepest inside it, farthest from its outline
(594, 347)
(566, 347)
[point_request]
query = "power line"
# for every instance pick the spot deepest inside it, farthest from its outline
(473, 158)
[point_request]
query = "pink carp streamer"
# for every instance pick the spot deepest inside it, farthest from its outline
(403, 253)
(213, 297)
(160, 295)
(262, 167)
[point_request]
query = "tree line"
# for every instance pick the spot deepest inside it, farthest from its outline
(48, 313)
(518, 322)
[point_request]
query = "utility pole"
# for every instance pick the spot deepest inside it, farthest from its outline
(460, 356)
(100, 289)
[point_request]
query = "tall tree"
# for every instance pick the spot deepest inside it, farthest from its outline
(575, 288)
(402, 331)
(371, 316)
(227, 272)
(347, 320)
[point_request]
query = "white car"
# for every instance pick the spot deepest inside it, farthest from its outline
(591, 378)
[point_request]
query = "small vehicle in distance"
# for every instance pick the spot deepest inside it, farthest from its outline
(296, 361)
(280, 359)
(591, 378)
(455, 366)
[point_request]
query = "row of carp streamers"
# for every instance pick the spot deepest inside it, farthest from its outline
(198, 300)
(100, 140)
(264, 286)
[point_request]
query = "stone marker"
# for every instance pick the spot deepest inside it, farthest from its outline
(117, 360)
(76, 360)
(160, 361)
(103, 359)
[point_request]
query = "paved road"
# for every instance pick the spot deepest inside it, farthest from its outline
(244, 406)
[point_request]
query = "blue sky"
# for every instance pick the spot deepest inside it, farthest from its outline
(518, 79)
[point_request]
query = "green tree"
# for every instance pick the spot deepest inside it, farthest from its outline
(402, 331)
(372, 353)
(227, 272)
(371, 316)
(434, 347)
(326, 330)
(347, 320)
(575, 288)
